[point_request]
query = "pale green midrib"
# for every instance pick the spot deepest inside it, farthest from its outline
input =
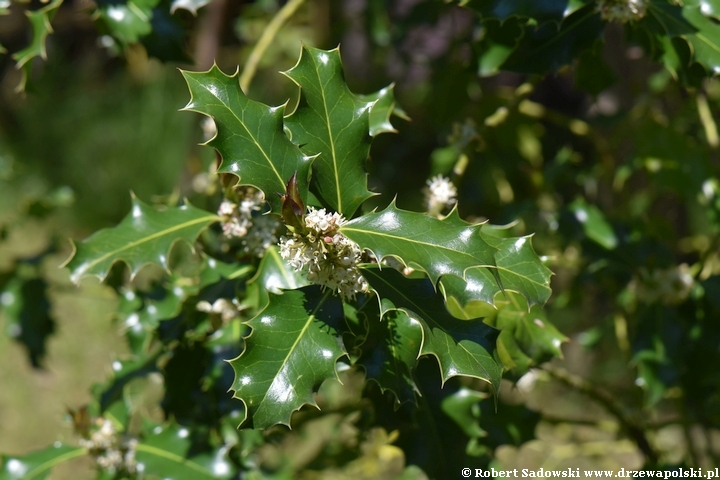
(147, 239)
(239, 272)
(712, 45)
(332, 142)
(51, 463)
(420, 309)
(278, 259)
(252, 137)
(172, 456)
(504, 269)
(406, 239)
(311, 317)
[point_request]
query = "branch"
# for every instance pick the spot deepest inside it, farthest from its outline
(635, 431)
(282, 16)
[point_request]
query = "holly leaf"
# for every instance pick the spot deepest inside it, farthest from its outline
(546, 48)
(191, 6)
(293, 347)
(144, 237)
(462, 347)
(40, 23)
(165, 453)
(272, 276)
(384, 106)
(519, 267)
(694, 23)
(334, 124)
(390, 353)
(526, 338)
(38, 465)
(439, 247)
(250, 135)
(127, 21)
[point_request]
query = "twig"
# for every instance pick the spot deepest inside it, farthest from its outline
(611, 405)
(282, 16)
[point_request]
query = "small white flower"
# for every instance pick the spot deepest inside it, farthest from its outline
(622, 11)
(440, 193)
(330, 258)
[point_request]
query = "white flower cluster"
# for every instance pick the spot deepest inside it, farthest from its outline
(237, 217)
(111, 454)
(330, 258)
(440, 193)
(622, 11)
(262, 235)
(258, 232)
(670, 286)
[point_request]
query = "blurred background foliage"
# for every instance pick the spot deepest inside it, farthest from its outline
(606, 150)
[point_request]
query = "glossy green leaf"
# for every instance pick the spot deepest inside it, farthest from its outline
(462, 347)
(128, 21)
(383, 108)
(273, 276)
(546, 48)
(293, 347)
(594, 224)
(472, 297)
(391, 352)
(250, 135)
(693, 23)
(145, 236)
(439, 247)
(526, 338)
(165, 452)
(40, 22)
(334, 124)
(191, 6)
(38, 465)
(519, 267)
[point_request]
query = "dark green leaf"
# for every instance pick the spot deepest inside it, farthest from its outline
(40, 22)
(332, 123)
(164, 453)
(127, 21)
(145, 236)
(546, 48)
(391, 352)
(593, 74)
(250, 135)
(520, 268)
(293, 347)
(462, 347)
(497, 44)
(692, 22)
(27, 311)
(538, 10)
(272, 276)
(38, 465)
(439, 247)
(594, 224)
(384, 107)
(526, 338)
